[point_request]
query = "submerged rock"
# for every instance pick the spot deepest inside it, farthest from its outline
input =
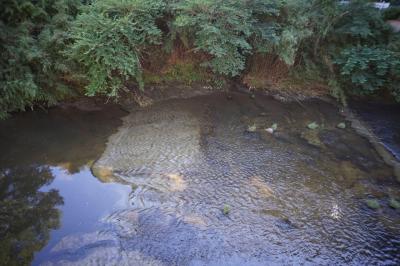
(286, 224)
(103, 173)
(313, 126)
(395, 204)
(341, 125)
(270, 130)
(373, 204)
(226, 210)
(312, 137)
(251, 128)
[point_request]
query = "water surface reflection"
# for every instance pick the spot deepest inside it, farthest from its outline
(46, 188)
(183, 183)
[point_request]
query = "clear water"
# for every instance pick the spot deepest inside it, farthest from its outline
(185, 184)
(384, 119)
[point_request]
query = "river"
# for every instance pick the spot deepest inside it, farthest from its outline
(197, 181)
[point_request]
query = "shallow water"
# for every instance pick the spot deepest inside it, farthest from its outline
(384, 119)
(182, 182)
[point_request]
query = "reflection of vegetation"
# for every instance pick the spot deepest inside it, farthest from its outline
(26, 213)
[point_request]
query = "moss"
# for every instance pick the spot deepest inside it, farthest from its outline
(312, 137)
(134, 187)
(313, 125)
(226, 210)
(373, 204)
(350, 172)
(251, 128)
(395, 204)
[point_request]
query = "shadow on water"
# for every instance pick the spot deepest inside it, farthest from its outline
(184, 183)
(384, 119)
(45, 184)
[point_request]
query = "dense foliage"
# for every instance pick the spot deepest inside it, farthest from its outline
(219, 28)
(33, 35)
(108, 39)
(101, 46)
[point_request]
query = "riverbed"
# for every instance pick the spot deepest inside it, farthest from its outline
(196, 181)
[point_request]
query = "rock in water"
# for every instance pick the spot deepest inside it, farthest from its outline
(251, 128)
(313, 125)
(270, 130)
(341, 125)
(373, 204)
(395, 204)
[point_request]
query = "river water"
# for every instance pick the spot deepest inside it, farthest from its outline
(184, 182)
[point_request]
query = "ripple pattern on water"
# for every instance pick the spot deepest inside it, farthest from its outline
(287, 201)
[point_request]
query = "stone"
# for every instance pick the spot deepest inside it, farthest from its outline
(226, 210)
(270, 130)
(251, 128)
(313, 125)
(395, 204)
(373, 204)
(312, 138)
(341, 125)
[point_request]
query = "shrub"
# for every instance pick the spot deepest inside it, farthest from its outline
(50, 46)
(369, 69)
(108, 38)
(291, 29)
(392, 13)
(219, 28)
(32, 36)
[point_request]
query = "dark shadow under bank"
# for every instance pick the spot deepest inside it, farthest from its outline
(383, 119)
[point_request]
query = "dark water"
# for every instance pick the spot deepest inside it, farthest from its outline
(384, 119)
(183, 183)
(47, 191)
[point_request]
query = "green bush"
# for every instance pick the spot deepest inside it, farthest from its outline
(281, 27)
(108, 38)
(49, 47)
(219, 28)
(32, 37)
(369, 69)
(392, 13)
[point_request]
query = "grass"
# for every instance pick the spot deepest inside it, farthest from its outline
(183, 72)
